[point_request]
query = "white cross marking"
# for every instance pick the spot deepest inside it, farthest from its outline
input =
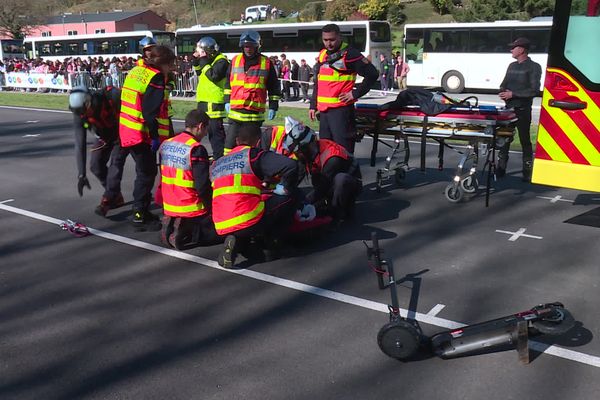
(554, 199)
(516, 235)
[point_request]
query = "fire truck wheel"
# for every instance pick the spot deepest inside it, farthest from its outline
(399, 340)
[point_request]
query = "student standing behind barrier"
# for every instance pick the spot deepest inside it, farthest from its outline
(334, 94)
(520, 85)
(400, 72)
(144, 120)
(304, 73)
(211, 67)
(186, 188)
(252, 80)
(99, 112)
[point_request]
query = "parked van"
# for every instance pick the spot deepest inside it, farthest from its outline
(255, 13)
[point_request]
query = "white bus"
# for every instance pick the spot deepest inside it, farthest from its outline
(456, 56)
(11, 48)
(105, 45)
(298, 40)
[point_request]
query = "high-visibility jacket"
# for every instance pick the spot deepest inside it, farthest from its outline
(237, 202)
(212, 92)
(248, 89)
(132, 128)
(333, 80)
(277, 139)
(180, 198)
(328, 149)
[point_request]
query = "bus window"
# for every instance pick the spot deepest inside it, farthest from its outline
(380, 32)
(310, 40)
(29, 50)
(490, 41)
(58, 49)
(539, 37)
(358, 39)
(579, 46)
(414, 43)
(72, 48)
(446, 41)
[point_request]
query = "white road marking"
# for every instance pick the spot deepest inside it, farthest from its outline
(31, 135)
(553, 350)
(554, 199)
(32, 122)
(520, 233)
(6, 201)
(436, 310)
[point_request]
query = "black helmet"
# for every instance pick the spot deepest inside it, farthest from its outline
(250, 37)
(209, 45)
(147, 42)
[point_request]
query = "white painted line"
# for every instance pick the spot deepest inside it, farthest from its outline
(436, 310)
(6, 201)
(554, 199)
(343, 298)
(32, 122)
(31, 135)
(516, 235)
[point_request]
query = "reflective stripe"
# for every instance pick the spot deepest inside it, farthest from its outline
(242, 218)
(321, 99)
(242, 117)
(131, 111)
(178, 180)
(248, 103)
(237, 187)
(183, 209)
(338, 77)
(138, 126)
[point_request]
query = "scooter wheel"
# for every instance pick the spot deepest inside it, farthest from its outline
(469, 184)
(453, 194)
(558, 325)
(399, 340)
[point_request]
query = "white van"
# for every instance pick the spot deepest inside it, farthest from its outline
(255, 13)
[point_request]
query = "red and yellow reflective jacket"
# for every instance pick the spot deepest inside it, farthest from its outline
(248, 88)
(333, 79)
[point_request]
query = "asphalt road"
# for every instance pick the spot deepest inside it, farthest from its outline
(117, 316)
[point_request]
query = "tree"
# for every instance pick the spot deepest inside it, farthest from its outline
(493, 10)
(442, 6)
(339, 10)
(390, 10)
(18, 17)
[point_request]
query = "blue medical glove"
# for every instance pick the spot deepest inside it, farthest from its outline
(155, 145)
(280, 190)
(271, 115)
(227, 108)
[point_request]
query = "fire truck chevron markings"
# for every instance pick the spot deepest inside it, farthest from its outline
(553, 350)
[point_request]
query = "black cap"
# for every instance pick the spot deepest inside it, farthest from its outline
(520, 42)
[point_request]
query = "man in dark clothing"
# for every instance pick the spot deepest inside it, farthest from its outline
(334, 94)
(520, 85)
(295, 84)
(211, 67)
(99, 112)
(239, 210)
(252, 81)
(304, 74)
(335, 173)
(188, 219)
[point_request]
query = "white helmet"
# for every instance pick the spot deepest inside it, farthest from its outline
(79, 98)
(297, 134)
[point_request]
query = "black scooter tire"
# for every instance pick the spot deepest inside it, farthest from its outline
(555, 327)
(399, 340)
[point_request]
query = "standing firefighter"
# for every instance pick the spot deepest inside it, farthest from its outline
(252, 79)
(146, 44)
(99, 112)
(334, 94)
(143, 124)
(211, 67)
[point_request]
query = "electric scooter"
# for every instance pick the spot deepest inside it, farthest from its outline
(402, 340)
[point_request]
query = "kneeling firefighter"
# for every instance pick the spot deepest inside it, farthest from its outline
(98, 112)
(335, 173)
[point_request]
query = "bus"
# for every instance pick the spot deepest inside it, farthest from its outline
(298, 40)
(106, 45)
(568, 144)
(456, 56)
(11, 48)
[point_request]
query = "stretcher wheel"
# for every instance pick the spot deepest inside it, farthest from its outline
(400, 175)
(559, 324)
(454, 194)
(399, 340)
(469, 184)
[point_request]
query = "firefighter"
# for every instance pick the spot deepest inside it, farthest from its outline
(146, 44)
(186, 188)
(252, 80)
(239, 210)
(144, 122)
(335, 173)
(211, 67)
(99, 112)
(334, 94)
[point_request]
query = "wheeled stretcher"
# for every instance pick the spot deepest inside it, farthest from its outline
(480, 126)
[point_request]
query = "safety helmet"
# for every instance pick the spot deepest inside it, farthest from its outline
(297, 134)
(209, 45)
(250, 37)
(79, 99)
(147, 42)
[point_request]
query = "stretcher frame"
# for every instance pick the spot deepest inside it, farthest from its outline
(486, 125)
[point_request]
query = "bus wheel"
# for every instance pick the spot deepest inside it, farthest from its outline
(453, 82)
(249, 20)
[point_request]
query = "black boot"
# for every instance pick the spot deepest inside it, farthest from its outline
(527, 170)
(144, 220)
